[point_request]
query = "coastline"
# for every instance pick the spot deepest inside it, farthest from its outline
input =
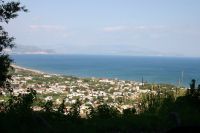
(27, 69)
(42, 73)
(46, 73)
(153, 70)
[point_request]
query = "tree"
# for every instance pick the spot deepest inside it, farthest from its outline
(104, 111)
(61, 108)
(8, 11)
(74, 112)
(198, 90)
(192, 86)
(129, 112)
(22, 103)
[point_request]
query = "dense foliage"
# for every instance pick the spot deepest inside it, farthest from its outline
(159, 112)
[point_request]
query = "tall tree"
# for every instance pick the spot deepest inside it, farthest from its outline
(8, 10)
(192, 86)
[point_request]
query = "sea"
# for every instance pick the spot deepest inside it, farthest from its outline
(167, 70)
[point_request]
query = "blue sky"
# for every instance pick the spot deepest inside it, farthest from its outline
(116, 27)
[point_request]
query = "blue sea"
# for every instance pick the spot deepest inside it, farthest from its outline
(173, 70)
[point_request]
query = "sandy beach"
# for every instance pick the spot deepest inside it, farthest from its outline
(27, 69)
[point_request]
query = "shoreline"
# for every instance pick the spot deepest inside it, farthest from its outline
(153, 70)
(42, 73)
(27, 69)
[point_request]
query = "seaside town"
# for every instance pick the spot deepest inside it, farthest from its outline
(102, 66)
(120, 94)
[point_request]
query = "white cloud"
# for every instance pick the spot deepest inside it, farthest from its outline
(114, 28)
(140, 27)
(53, 31)
(66, 35)
(47, 28)
(150, 28)
(137, 28)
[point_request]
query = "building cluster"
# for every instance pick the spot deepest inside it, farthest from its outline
(90, 91)
(120, 94)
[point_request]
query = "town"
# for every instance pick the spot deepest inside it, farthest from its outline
(120, 94)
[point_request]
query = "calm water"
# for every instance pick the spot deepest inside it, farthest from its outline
(153, 69)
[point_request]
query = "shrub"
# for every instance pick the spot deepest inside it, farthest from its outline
(104, 111)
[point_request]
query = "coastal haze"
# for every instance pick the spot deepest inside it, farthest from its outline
(128, 40)
(131, 27)
(156, 32)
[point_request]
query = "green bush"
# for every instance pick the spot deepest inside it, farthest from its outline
(104, 111)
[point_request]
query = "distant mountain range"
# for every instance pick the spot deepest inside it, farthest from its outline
(28, 49)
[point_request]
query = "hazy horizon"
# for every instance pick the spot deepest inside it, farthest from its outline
(131, 27)
(114, 55)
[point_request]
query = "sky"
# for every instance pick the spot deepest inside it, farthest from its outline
(110, 27)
